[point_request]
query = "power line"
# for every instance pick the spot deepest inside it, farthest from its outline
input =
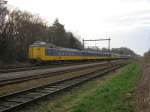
(102, 39)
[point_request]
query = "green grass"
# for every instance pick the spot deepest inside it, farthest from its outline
(111, 96)
(109, 93)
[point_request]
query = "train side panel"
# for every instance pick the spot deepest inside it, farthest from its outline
(50, 54)
(54, 55)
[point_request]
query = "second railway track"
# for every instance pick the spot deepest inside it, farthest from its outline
(25, 77)
(15, 100)
(34, 67)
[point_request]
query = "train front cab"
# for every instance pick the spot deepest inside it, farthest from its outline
(36, 53)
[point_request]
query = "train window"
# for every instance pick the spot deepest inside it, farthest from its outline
(58, 52)
(52, 52)
(76, 53)
(68, 53)
(62, 53)
(65, 53)
(55, 52)
(87, 54)
(48, 52)
(82, 53)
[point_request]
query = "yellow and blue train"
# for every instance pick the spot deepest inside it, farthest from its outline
(43, 52)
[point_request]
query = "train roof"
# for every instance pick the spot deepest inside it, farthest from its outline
(67, 49)
(52, 46)
(43, 44)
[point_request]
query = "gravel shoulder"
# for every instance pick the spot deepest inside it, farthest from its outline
(143, 88)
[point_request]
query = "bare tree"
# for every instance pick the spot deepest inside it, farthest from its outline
(20, 29)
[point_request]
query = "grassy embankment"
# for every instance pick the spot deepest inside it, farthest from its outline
(111, 96)
(110, 93)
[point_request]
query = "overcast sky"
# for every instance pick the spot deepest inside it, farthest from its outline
(126, 22)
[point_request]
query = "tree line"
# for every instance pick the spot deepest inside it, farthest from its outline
(19, 29)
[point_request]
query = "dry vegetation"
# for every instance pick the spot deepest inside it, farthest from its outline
(143, 90)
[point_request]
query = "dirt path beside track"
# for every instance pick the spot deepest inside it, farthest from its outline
(143, 88)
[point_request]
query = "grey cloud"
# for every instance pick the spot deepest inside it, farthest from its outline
(139, 17)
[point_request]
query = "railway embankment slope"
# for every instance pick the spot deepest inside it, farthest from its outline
(143, 87)
(111, 93)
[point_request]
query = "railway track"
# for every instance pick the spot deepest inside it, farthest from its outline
(9, 80)
(34, 67)
(19, 99)
(31, 67)
(48, 74)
